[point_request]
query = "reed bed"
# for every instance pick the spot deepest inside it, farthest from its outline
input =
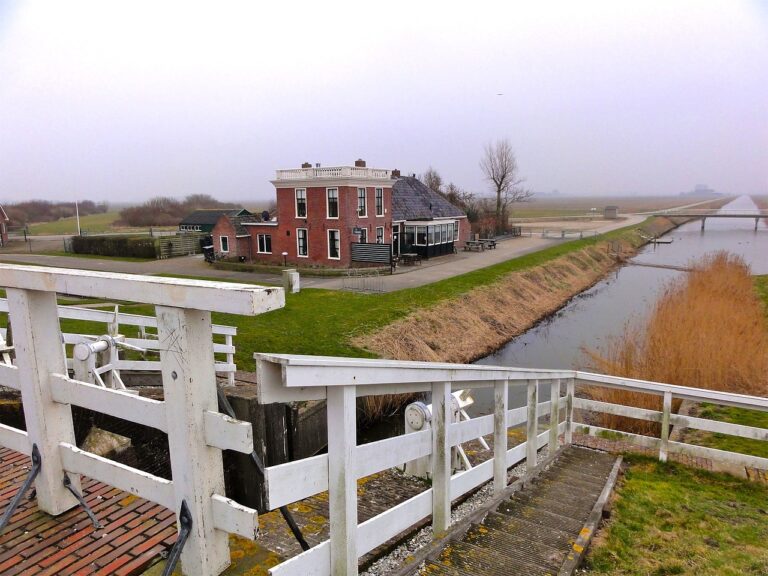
(707, 330)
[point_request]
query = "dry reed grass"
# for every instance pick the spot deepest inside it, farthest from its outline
(707, 330)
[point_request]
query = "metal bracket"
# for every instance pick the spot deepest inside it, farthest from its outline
(68, 485)
(36, 464)
(185, 527)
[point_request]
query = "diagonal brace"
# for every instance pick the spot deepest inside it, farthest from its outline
(185, 527)
(36, 464)
(68, 485)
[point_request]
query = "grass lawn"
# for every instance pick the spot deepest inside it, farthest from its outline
(90, 224)
(324, 322)
(96, 256)
(726, 441)
(670, 519)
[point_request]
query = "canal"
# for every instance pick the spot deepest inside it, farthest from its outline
(596, 315)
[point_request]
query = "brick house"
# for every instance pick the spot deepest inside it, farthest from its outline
(3, 227)
(321, 212)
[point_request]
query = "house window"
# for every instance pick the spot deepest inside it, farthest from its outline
(410, 235)
(380, 235)
(445, 233)
(362, 208)
(333, 202)
(301, 202)
(264, 243)
(302, 243)
(333, 245)
(364, 235)
(421, 235)
(455, 231)
(379, 201)
(431, 235)
(224, 243)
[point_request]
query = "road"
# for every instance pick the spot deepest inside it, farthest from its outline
(430, 271)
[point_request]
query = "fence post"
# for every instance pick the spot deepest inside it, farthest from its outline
(342, 478)
(532, 426)
(501, 394)
(230, 360)
(189, 387)
(570, 388)
(39, 353)
(554, 414)
(441, 460)
(667, 409)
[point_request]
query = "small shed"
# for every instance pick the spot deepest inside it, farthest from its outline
(205, 220)
(611, 212)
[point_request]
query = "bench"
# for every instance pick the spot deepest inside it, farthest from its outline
(490, 243)
(410, 259)
(474, 245)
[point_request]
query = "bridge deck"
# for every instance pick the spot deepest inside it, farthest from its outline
(541, 529)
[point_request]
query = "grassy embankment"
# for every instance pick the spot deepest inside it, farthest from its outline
(90, 224)
(326, 322)
(669, 519)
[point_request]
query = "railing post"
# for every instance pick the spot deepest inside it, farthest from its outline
(230, 360)
(666, 410)
(554, 414)
(342, 479)
(441, 457)
(189, 388)
(532, 427)
(570, 389)
(501, 394)
(39, 353)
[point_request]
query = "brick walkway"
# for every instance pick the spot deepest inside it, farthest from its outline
(36, 544)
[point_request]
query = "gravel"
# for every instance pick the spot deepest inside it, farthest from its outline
(395, 559)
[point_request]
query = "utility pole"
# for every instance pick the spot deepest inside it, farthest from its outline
(77, 215)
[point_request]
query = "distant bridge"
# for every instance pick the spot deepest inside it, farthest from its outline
(705, 213)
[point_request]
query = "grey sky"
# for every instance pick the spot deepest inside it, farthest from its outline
(126, 100)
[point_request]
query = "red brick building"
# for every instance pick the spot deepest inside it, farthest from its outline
(322, 212)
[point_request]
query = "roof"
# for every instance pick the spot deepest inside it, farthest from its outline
(238, 221)
(412, 200)
(210, 217)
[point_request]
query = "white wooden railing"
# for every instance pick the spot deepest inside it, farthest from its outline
(144, 339)
(197, 432)
(332, 172)
(287, 378)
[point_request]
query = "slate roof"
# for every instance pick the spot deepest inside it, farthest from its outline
(412, 200)
(238, 221)
(210, 217)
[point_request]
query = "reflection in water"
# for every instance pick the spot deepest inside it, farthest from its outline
(594, 316)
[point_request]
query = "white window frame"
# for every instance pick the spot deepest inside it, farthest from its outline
(328, 204)
(379, 234)
(298, 244)
(328, 237)
(258, 243)
(456, 231)
(296, 202)
(222, 242)
(365, 202)
(379, 195)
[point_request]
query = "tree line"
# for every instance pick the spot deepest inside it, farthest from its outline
(165, 211)
(488, 215)
(30, 211)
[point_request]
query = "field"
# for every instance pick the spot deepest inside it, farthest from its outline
(669, 519)
(549, 206)
(90, 224)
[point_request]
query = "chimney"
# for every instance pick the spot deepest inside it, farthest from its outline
(306, 165)
(359, 163)
(317, 164)
(395, 173)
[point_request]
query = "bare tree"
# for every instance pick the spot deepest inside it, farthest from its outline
(500, 168)
(432, 180)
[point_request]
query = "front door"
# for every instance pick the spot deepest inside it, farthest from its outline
(396, 240)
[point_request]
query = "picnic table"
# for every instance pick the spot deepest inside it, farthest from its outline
(474, 245)
(410, 258)
(490, 243)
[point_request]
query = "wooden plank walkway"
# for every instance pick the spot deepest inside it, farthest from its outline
(540, 530)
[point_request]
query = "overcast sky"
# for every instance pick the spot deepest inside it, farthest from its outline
(126, 100)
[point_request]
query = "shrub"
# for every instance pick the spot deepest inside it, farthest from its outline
(126, 246)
